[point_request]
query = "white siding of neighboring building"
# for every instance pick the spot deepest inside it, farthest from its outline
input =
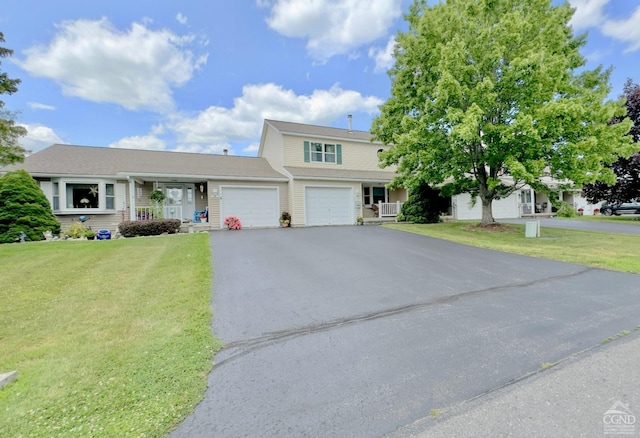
(506, 208)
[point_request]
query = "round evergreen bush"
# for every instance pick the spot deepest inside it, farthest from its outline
(24, 208)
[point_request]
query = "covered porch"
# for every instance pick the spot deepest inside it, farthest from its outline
(380, 203)
(183, 199)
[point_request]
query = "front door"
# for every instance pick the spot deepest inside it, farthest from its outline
(526, 202)
(373, 195)
(179, 202)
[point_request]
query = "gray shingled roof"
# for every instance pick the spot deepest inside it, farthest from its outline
(100, 161)
(320, 131)
(340, 174)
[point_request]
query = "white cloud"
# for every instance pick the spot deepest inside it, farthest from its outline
(136, 69)
(181, 18)
(383, 57)
(40, 106)
(626, 30)
(252, 148)
(243, 122)
(38, 137)
(206, 149)
(588, 13)
(591, 13)
(330, 27)
(148, 142)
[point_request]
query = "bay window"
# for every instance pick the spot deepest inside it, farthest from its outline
(70, 195)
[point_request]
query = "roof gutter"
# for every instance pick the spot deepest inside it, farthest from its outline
(183, 177)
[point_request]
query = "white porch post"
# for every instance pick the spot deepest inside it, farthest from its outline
(379, 209)
(397, 208)
(132, 198)
(533, 201)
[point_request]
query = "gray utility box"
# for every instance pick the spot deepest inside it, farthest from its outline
(532, 229)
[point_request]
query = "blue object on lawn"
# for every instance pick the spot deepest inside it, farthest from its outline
(103, 235)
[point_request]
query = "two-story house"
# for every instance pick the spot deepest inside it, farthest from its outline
(333, 173)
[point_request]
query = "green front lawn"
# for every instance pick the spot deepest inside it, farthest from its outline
(110, 338)
(620, 252)
(630, 219)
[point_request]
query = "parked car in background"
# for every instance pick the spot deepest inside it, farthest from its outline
(632, 207)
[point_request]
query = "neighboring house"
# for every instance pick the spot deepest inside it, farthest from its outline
(320, 175)
(523, 202)
(110, 185)
(333, 173)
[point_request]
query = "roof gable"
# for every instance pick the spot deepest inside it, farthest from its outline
(299, 129)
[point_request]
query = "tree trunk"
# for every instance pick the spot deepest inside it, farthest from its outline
(487, 212)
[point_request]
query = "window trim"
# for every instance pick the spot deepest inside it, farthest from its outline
(102, 195)
(370, 188)
(310, 152)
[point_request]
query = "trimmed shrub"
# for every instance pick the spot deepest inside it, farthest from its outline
(566, 210)
(76, 230)
(424, 205)
(24, 208)
(154, 227)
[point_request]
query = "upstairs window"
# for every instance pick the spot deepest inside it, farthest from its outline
(322, 153)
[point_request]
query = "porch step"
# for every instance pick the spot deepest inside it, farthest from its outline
(191, 227)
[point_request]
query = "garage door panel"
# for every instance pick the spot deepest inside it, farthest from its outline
(254, 206)
(329, 205)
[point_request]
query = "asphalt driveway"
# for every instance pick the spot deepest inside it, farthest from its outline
(358, 331)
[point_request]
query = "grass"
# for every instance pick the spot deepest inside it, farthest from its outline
(629, 219)
(109, 338)
(617, 252)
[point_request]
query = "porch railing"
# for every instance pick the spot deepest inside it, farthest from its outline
(168, 212)
(146, 213)
(172, 212)
(389, 209)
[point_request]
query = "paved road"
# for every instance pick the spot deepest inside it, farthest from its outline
(570, 400)
(360, 331)
(605, 227)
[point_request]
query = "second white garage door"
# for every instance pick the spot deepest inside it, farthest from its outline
(254, 206)
(329, 205)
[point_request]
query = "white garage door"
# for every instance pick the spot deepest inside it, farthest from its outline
(505, 208)
(254, 206)
(329, 205)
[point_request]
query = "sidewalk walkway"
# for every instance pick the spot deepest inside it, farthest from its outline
(572, 399)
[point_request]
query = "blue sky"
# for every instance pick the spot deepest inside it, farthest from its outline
(201, 76)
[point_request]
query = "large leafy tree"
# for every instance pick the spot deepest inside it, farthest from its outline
(483, 89)
(627, 170)
(10, 150)
(24, 208)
